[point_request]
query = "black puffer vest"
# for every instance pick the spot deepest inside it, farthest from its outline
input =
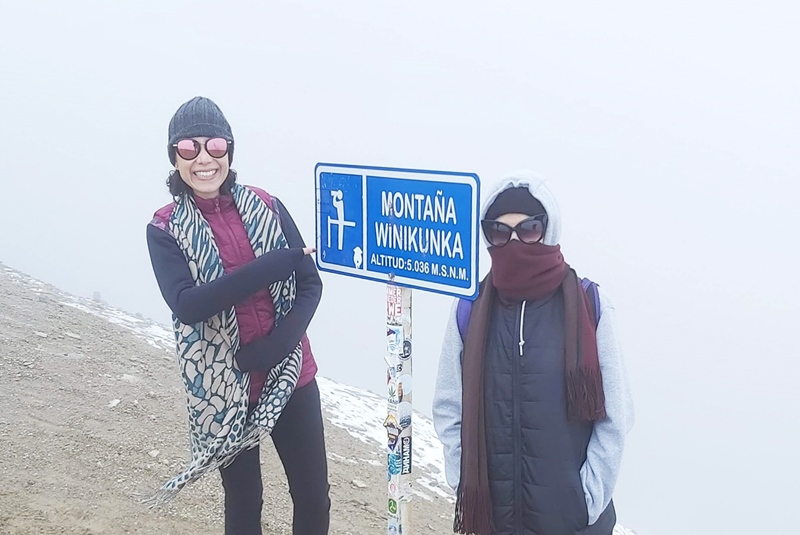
(535, 453)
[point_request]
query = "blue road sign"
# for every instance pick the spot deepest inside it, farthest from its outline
(416, 228)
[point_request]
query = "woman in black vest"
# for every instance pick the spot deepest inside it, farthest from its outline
(532, 401)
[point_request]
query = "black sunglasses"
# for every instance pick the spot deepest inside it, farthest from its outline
(530, 230)
(189, 149)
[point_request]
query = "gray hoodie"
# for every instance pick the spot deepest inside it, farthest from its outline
(604, 454)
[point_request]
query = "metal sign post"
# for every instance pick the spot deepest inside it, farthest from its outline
(409, 229)
(398, 421)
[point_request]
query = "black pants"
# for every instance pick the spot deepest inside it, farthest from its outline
(299, 440)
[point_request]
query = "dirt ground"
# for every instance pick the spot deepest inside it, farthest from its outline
(71, 460)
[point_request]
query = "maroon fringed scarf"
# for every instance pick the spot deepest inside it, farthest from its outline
(522, 272)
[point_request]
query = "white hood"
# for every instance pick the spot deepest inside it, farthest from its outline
(539, 189)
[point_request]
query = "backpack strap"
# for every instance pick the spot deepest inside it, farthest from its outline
(463, 310)
(270, 201)
(594, 297)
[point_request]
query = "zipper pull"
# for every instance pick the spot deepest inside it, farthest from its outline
(522, 331)
(216, 205)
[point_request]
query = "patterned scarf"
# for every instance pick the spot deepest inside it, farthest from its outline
(217, 391)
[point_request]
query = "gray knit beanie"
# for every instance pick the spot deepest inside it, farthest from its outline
(199, 117)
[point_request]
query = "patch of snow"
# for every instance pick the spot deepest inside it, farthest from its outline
(362, 414)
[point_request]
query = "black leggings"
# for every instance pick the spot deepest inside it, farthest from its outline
(298, 438)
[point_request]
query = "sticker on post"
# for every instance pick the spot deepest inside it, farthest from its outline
(393, 431)
(404, 414)
(403, 389)
(391, 440)
(394, 464)
(406, 354)
(394, 339)
(395, 391)
(405, 455)
(401, 491)
(394, 303)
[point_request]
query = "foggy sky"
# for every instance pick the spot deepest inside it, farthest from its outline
(670, 136)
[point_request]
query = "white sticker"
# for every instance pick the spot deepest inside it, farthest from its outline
(394, 339)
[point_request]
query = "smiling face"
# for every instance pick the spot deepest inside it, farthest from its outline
(204, 174)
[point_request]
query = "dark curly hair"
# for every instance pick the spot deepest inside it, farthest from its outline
(177, 186)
